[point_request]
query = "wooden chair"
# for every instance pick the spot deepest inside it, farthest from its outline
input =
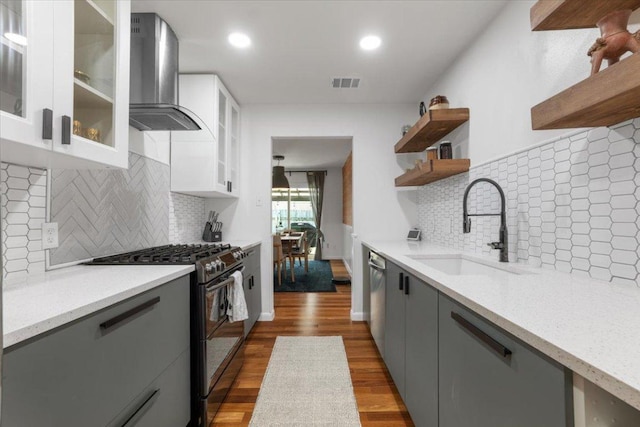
(278, 257)
(296, 247)
(302, 252)
(282, 252)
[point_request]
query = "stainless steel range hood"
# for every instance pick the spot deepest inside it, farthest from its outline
(153, 93)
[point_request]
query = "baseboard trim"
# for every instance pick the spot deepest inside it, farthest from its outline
(267, 317)
(331, 258)
(357, 316)
(346, 265)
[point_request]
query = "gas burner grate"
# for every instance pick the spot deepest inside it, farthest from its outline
(168, 254)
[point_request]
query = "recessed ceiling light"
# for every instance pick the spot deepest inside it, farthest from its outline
(16, 38)
(239, 40)
(370, 42)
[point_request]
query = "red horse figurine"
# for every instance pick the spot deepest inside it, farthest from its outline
(615, 40)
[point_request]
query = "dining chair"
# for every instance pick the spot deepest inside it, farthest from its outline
(302, 252)
(298, 243)
(278, 257)
(287, 250)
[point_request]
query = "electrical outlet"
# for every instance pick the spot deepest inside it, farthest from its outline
(258, 201)
(49, 235)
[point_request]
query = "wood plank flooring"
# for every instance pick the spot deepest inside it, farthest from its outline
(321, 313)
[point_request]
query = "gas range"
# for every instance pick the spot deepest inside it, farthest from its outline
(217, 345)
(210, 260)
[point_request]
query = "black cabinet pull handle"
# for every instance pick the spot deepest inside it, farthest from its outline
(47, 124)
(406, 285)
(66, 130)
(230, 186)
(401, 281)
(482, 336)
(251, 282)
(122, 317)
(141, 409)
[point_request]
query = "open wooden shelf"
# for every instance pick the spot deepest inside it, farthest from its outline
(609, 97)
(431, 171)
(431, 128)
(570, 14)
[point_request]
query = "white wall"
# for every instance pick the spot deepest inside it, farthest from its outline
(332, 215)
(347, 247)
(508, 70)
(379, 210)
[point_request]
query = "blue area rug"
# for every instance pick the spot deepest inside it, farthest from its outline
(318, 279)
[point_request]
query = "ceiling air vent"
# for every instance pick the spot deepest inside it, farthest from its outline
(345, 82)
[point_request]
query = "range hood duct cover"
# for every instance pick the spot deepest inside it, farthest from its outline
(153, 90)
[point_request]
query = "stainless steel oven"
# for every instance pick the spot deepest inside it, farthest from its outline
(219, 347)
(219, 350)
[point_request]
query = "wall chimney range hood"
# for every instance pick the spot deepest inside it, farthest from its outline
(153, 93)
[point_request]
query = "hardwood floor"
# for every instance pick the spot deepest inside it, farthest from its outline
(321, 313)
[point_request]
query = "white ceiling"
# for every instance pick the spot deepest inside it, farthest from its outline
(312, 153)
(298, 46)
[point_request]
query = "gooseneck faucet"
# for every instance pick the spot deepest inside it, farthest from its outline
(504, 240)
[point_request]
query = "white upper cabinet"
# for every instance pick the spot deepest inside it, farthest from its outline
(206, 163)
(75, 65)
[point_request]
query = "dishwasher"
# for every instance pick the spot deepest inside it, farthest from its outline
(377, 283)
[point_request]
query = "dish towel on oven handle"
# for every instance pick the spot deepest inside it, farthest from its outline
(237, 308)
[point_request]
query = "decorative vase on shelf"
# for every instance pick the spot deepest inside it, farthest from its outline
(615, 40)
(439, 102)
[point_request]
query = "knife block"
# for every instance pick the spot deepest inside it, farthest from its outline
(212, 236)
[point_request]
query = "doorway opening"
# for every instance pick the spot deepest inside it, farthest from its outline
(311, 239)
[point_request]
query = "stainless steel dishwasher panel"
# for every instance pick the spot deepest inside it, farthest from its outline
(377, 280)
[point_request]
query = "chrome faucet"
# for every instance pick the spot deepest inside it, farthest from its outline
(466, 226)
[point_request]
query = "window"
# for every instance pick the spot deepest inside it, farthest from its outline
(290, 207)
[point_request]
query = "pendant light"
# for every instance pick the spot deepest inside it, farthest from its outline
(278, 180)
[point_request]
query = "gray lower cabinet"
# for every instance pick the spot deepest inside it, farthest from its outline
(481, 385)
(88, 372)
(163, 402)
(252, 288)
(411, 343)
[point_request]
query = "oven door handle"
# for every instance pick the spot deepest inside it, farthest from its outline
(225, 282)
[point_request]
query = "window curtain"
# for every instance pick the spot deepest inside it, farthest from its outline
(316, 194)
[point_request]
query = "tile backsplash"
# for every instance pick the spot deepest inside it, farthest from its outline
(102, 212)
(99, 212)
(572, 205)
(186, 218)
(23, 195)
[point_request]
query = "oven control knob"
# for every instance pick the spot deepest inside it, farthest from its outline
(208, 268)
(218, 265)
(224, 265)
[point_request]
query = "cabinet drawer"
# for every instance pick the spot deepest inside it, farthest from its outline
(488, 378)
(165, 402)
(84, 373)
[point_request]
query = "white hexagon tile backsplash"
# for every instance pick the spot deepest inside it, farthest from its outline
(573, 205)
(23, 193)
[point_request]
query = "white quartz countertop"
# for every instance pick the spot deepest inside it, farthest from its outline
(41, 303)
(591, 327)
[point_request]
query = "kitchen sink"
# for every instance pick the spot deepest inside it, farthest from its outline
(460, 265)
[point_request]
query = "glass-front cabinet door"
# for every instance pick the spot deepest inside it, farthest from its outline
(223, 102)
(234, 147)
(26, 82)
(91, 94)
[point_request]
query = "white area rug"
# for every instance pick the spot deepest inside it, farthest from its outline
(307, 383)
